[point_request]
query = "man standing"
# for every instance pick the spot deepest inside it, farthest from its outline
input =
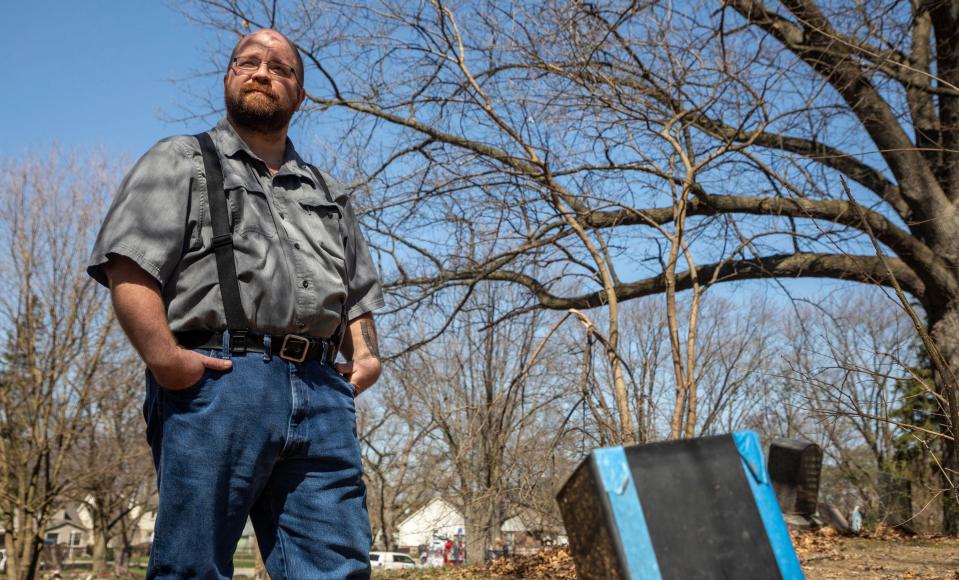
(248, 419)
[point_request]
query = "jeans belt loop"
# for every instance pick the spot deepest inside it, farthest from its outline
(329, 351)
(225, 351)
(267, 348)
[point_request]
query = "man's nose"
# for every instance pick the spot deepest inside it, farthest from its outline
(262, 73)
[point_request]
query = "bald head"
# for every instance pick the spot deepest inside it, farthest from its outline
(269, 38)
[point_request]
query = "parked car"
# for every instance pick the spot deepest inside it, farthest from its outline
(3, 560)
(392, 560)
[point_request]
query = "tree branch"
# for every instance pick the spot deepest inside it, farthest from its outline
(814, 42)
(868, 269)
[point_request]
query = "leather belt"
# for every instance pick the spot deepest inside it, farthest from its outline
(290, 347)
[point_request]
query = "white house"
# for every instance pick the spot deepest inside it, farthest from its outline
(436, 518)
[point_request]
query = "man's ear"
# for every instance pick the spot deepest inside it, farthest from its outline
(300, 98)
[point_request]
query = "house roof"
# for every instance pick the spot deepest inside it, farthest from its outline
(450, 507)
(66, 516)
(514, 524)
(65, 524)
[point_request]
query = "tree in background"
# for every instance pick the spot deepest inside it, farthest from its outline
(486, 394)
(848, 380)
(398, 459)
(917, 448)
(57, 339)
(583, 150)
(111, 467)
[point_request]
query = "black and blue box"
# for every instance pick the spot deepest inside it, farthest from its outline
(689, 509)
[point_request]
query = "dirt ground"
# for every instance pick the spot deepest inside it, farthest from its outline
(878, 558)
(824, 556)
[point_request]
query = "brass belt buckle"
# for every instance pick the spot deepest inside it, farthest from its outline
(294, 342)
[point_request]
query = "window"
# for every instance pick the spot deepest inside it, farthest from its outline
(403, 559)
(374, 557)
(52, 538)
(75, 538)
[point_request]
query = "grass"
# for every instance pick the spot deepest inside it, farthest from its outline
(138, 566)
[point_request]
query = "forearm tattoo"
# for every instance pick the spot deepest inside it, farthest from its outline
(368, 329)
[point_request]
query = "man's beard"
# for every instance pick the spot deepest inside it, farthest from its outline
(261, 113)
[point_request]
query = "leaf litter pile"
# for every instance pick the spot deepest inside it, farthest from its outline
(825, 555)
(552, 563)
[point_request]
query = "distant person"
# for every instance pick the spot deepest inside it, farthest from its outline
(856, 521)
(246, 413)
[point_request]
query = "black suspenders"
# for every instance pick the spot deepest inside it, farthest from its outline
(236, 321)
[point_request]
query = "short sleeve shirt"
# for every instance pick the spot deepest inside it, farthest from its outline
(301, 259)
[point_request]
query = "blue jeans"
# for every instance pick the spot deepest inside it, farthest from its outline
(269, 439)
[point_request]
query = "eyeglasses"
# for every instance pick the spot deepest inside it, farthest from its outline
(251, 64)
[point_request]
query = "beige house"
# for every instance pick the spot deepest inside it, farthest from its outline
(68, 531)
(71, 530)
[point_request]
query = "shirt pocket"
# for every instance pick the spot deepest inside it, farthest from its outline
(323, 225)
(250, 210)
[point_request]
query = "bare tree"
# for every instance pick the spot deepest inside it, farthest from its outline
(554, 122)
(57, 339)
(485, 393)
(846, 363)
(734, 357)
(110, 465)
(398, 459)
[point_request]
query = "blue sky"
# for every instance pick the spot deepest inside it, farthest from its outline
(100, 73)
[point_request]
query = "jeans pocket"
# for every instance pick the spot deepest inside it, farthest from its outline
(336, 380)
(152, 415)
(190, 391)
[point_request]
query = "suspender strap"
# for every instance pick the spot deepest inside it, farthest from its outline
(236, 321)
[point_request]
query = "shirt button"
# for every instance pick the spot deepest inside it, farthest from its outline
(306, 283)
(296, 245)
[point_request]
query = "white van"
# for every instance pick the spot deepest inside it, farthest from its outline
(392, 560)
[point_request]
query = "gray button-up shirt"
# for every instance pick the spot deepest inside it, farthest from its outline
(300, 256)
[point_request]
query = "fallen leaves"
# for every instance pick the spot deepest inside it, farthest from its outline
(821, 544)
(554, 563)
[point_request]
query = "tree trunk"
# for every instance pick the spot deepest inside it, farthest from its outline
(12, 561)
(121, 558)
(25, 568)
(99, 550)
(480, 531)
(944, 329)
(387, 530)
(23, 545)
